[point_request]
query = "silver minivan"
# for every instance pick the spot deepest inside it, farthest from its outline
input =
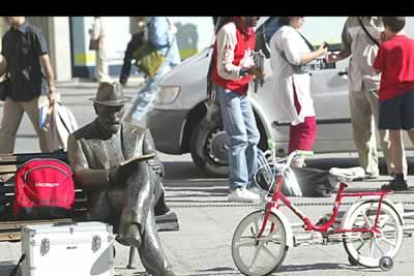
(177, 117)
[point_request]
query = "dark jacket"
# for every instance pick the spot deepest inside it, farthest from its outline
(91, 165)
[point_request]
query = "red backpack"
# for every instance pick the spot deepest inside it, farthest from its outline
(44, 189)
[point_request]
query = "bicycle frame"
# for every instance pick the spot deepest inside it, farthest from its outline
(308, 225)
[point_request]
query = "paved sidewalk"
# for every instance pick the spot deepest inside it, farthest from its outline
(202, 247)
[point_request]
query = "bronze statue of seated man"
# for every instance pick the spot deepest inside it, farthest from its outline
(114, 161)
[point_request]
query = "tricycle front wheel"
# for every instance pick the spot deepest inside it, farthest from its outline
(259, 256)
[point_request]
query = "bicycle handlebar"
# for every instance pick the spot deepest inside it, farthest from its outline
(272, 146)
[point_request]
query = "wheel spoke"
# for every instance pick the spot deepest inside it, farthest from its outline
(252, 237)
(256, 227)
(385, 220)
(366, 218)
(379, 247)
(267, 250)
(384, 239)
(371, 247)
(252, 231)
(256, 254)
(361, 245)
(275, 239)
(270, 239)
(246, 244)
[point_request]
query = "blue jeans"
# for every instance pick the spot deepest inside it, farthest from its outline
(145, 96)
(240, 124)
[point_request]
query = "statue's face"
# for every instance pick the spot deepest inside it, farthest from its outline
(109, 117)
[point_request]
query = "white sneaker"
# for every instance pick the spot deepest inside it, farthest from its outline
(258, 191)
(348, 173)
(243, 195)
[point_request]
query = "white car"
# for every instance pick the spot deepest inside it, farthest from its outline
(177, 118)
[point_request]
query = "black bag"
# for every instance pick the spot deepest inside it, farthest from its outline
(313, 182)
(4, 89)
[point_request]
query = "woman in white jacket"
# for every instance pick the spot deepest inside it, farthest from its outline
(290, 51)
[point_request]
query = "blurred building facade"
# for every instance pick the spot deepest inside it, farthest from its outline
(68, 40)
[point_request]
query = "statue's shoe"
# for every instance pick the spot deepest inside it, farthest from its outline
(167, 222)
(168, 273)
(119, 239)
(132, 236)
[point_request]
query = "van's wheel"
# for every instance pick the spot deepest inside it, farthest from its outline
(209, 148)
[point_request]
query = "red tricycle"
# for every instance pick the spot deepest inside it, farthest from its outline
(371, 230)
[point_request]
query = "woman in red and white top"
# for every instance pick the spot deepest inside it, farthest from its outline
(289, 49)
(233, 69)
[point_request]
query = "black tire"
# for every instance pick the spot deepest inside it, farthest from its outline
(386, 263)
(208, 148)
(352, 261)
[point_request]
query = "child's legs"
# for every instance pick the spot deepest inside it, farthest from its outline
(408, 114)
(396, 150)
(293, 137)
(411, 135)
(391, 118)
(302, 136)
(309, 130)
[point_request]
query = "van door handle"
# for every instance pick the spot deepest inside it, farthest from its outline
(342, 73)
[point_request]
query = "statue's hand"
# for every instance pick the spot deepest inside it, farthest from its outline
(119, 174)
(156, 166)
(113, 175)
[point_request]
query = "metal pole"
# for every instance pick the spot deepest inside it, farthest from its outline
(132, 263)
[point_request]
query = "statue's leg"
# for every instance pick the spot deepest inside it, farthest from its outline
(99, 208)
(161, 207)
(139, 192)
(151, 253)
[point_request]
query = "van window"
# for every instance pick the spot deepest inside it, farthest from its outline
(318, 29)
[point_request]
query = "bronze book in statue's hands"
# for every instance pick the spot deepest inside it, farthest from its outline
(137, 159)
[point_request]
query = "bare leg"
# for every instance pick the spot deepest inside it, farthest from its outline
(411, 135)
(396, 150)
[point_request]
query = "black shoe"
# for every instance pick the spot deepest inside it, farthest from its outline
(161, 207)
(169, 273)
(167, 222)
(123, 81)
(396, 185)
